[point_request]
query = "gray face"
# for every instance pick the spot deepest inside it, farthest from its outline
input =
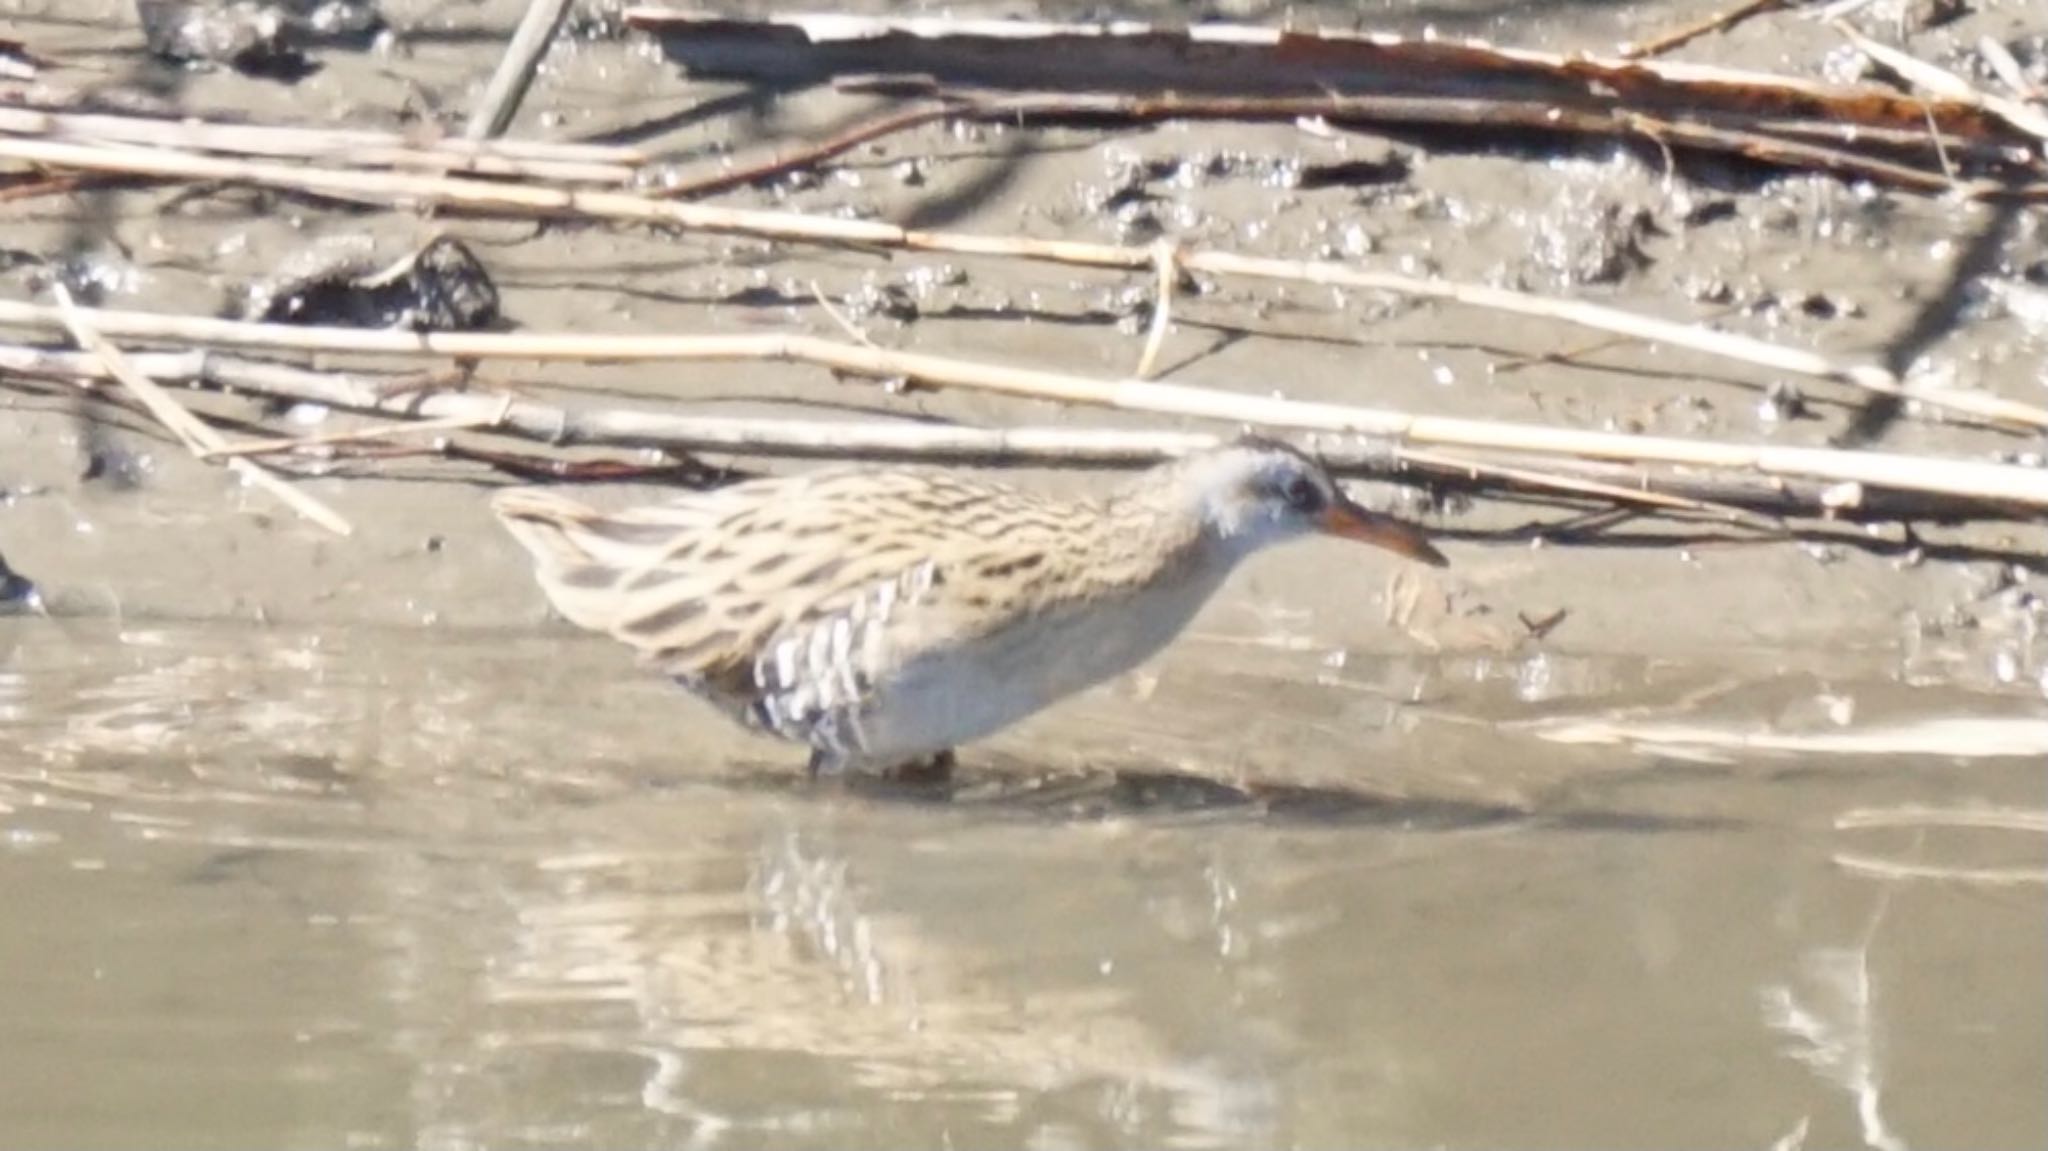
(1255, 495)
(1288, 495)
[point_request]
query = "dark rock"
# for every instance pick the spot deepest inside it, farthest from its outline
(341, 282)
(258, 39)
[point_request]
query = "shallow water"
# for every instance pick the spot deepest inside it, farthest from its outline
(278, 888)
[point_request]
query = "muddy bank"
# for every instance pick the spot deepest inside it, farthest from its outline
(1803, 259)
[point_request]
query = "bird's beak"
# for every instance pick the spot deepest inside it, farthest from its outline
(1348, 520)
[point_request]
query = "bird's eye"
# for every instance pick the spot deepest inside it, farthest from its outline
(1302, 495)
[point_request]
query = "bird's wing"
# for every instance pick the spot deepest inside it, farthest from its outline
(787, 589)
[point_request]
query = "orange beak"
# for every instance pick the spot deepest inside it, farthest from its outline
(1347, 520)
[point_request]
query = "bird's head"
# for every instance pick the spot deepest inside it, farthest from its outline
(1258, 492)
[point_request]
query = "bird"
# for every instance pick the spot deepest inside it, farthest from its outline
(885, 615)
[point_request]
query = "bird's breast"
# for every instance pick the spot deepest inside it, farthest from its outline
(955, 693)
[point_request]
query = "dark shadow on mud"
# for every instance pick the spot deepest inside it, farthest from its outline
(1975, 261)
(1014, 789)
(752, 106)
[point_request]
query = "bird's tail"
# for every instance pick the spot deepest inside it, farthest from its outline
(580, 554)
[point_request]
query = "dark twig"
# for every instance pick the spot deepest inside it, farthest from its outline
(1845, 149)
(1719, 21)
(755, 171)
(34, 187)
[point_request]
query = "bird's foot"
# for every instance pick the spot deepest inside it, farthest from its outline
(935, 769)
(931, 770)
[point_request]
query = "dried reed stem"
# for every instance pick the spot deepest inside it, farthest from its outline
(535, 159)
(1967, 479)
(516, 69)
(531, 200)
(1937, 81)
(440, 412)
(411, 427)
(193, 432)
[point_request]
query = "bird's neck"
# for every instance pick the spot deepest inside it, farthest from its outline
(1151, 532)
